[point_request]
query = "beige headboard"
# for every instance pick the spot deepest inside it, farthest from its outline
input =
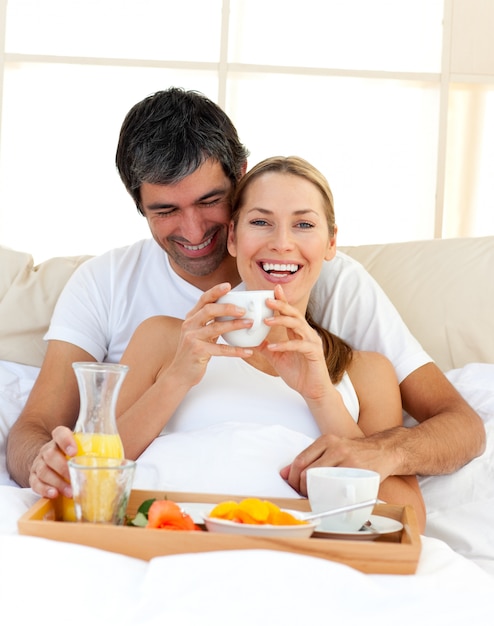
(444, 290)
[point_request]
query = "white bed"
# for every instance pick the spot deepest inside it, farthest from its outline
(42, 581)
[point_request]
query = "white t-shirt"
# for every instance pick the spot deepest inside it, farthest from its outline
(108, 296)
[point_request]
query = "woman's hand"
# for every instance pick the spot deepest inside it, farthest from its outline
(199, 336)
(299, 360)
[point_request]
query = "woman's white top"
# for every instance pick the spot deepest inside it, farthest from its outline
(234, 391)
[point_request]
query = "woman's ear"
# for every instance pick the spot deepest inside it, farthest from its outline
(231, 244)
(331, 251)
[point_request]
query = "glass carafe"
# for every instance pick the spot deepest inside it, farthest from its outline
(96, 431)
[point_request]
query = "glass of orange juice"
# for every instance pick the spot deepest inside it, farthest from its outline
(101, 488)
(92, 444)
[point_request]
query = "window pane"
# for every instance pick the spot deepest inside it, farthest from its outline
(140, 29)
(469, 190)
(374, 140)
(57, 173)
(400, 35)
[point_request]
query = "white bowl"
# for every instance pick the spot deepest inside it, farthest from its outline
(301, 531)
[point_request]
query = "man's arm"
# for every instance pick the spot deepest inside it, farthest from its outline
(449, 435)
(450, 432)
(53, 401)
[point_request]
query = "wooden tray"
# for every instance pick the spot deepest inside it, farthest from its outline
(395, 553)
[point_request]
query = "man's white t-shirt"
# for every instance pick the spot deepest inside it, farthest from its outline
(108, 296)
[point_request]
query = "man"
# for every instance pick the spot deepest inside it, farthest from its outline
(179, 157)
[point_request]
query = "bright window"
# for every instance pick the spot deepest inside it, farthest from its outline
(391, 99)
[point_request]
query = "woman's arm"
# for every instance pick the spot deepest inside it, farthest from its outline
(377, 388)
(148, 398)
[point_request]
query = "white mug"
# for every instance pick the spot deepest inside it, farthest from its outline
(333, 487)
(254, 303)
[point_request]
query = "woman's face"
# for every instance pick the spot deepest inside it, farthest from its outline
(282, 236)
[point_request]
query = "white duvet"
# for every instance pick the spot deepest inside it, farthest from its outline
(42, 581)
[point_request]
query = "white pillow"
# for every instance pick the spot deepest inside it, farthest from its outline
(16, 382)
(460, 506)
(28, 294)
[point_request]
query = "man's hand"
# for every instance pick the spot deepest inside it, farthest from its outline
(49, 474)
(332, 451)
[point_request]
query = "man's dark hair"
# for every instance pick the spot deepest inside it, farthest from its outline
(169, 134)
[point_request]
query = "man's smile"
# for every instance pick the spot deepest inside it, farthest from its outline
(199, 246)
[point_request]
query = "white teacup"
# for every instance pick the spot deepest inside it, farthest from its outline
(254, 303)
(333, 487)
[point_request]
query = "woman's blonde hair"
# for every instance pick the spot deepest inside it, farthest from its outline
(337, 352)
(286, 165)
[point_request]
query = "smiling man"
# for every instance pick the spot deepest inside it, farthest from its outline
(179, 157)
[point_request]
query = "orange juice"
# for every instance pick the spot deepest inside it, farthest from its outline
(101, 488)
(92, 444)
(99, 444)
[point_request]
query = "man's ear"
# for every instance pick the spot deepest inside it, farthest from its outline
(231, 244)
(244, 168)
(331, 251)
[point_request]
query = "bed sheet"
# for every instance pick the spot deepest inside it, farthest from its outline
(42, 581)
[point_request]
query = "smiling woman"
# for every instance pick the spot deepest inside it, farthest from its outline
(286, 218)
(356, 90)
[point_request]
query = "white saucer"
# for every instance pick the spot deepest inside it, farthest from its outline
(195, 510)
(296, 531)
(380, 526)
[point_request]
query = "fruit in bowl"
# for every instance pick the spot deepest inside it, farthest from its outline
(253, 516)
(254, 511)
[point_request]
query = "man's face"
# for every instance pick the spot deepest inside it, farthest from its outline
(190, 219)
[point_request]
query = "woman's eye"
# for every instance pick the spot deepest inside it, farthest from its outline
(258, 222)
(305, 225)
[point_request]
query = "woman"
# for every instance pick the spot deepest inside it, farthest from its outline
(281, 233)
